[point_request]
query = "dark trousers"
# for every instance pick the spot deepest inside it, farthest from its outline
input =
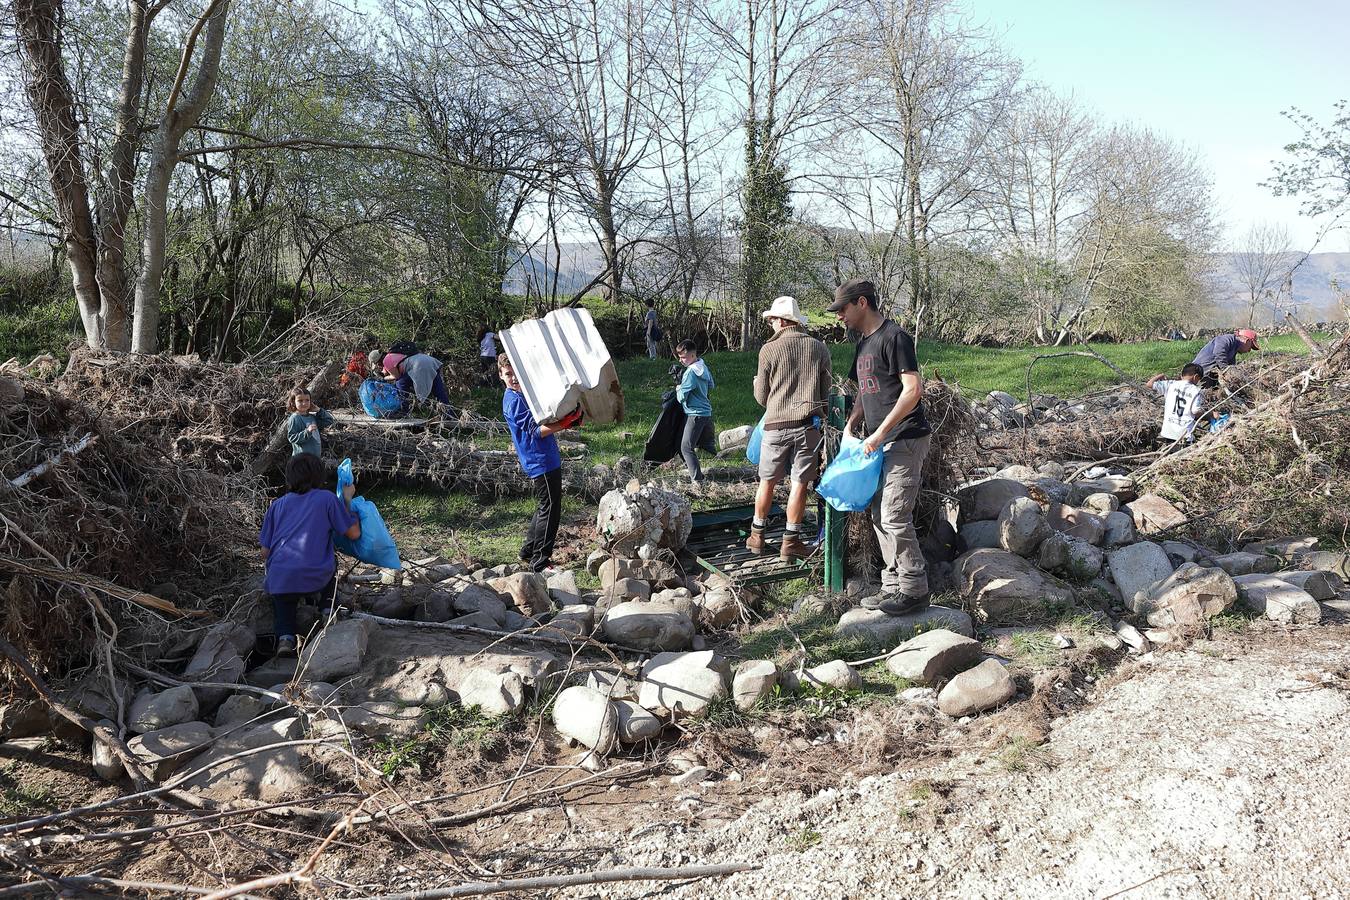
(543, 530)
(284, 606)
(698, 435)
(408, 393)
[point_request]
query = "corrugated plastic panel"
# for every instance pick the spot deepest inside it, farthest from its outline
(561, 361)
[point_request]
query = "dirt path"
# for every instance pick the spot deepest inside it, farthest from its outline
(1220, 771)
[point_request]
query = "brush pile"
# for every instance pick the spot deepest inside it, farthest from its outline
(1281, 468)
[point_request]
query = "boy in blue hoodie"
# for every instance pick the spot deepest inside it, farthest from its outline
(540, 459)
(692, 393)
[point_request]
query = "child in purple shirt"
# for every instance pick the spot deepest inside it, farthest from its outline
(297, 542)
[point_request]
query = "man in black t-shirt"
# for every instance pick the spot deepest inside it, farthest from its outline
(889, 417)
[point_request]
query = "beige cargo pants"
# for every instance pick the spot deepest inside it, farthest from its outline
(893, 517)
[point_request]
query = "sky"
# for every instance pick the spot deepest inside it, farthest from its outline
(1213, 75)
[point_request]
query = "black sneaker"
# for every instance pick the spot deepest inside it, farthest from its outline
(902, 604)
(286, 647)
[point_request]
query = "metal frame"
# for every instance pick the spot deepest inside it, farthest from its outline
(717, 542)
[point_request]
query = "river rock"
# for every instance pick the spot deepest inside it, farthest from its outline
(1153, 515)
(494, 693)
(648, 625)
(1076, 523)
(587, 717)
(1101, 504)
(1187, 597)
(1022, 526)
(1278, 600)
(987, 499)
(934, 656)
(156, 711)
(1321, 585)
(755, 679)
(1241, 563)
(1120, 529)
(884, 630)
(527, 590)
(975, 690)
(634, 724)
(683, 683)
(982, 533)
(1005, 587)
(162, 752)
(337, 651)
(219, 658)
(1070, 557)
(1137, 568)
(835, 674)
(644, 522)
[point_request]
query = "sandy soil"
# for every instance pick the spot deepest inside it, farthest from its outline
(1218, 771)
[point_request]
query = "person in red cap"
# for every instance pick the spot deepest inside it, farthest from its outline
(1222, 352)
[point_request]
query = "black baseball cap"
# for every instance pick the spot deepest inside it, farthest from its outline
(851, 292)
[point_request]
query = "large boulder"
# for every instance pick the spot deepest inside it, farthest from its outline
(1278, 600)
(1324, 561)
(876, 627)
(1022, 526)
(219, 658)
(1077, 523)
(644, 522)
(1071, 558)
(1187, 597)
(156, 711)
(527, 590)
(934, 656)
(983, 687)
(587, 717)
(734, 438)
(1137, 568)
(337, 651)
(755, 679)
(652, 625)
(1153, 515)
(683, 683)
(1006, 588)
(987, 499)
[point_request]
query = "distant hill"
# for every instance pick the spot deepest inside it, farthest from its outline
(1313, 297)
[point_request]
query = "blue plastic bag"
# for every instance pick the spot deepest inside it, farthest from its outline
(851, 479)
(380, 399)
(1219, 423)
(756, 438)
(376, 544)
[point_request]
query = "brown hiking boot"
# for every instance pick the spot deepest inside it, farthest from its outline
(755, 542)
(793, 548)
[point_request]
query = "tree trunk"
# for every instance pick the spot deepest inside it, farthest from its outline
(52, 100)
(163, 158)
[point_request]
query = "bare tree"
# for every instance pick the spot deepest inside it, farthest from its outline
(1262, 263)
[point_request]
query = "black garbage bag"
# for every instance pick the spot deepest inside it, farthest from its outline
(663, 444)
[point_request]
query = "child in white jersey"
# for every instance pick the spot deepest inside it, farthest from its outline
(1183, 402)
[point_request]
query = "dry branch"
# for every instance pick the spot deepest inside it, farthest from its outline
(549, 882)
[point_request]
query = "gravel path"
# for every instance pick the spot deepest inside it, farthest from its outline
(1219, 771)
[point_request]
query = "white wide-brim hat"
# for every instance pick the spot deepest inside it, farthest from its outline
(784, 308)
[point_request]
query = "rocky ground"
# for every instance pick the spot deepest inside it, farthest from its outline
(1214, 771)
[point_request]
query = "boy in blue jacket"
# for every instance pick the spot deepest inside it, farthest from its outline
(537, 449)
(692, 393)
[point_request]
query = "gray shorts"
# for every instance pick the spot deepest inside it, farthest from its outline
(794, 451)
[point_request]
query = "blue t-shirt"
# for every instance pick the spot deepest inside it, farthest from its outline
(538, 455)
(1220, 351)
(298, 532)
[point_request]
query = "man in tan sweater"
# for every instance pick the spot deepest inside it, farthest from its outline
(793, 386)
